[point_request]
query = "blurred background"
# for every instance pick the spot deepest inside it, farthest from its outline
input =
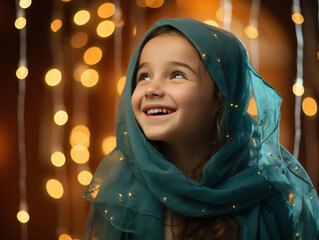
(63, 66)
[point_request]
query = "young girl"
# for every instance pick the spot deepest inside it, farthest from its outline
(190, 162)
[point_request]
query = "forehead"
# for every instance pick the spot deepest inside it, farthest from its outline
(170, 46)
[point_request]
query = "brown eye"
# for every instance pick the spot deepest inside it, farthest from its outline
(144, 77)
(179, 75)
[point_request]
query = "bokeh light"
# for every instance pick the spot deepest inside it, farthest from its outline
(54, 188)
(65, 236)
(79, 39)
(252, 108)
(78, 71)
(22, 72)
(84, 177)
(92, 55)
(154, 3)
(108, 144)
(106, 10)
(298, 89)
(23, 216)
(58, 159)
(297, 18)
(80, 154)
(89, 78)
(80, 135)
(65, 1)
(251, 32)
(56, 25)
(81, 17)
(105, 28)
(53, 77)
(211, 22)
(25, 3)
(20, 22)
(120, 85)
(60, 117)
(309, 106)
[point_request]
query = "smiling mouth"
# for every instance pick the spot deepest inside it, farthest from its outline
(158, 111)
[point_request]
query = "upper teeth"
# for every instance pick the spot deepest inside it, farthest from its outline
(157, 110)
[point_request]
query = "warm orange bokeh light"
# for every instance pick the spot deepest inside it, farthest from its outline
(80, 135)
(251, 32)
(106, 10)
(80, 154)
(120, 85)
(89, 78)
(309, 106)
(23, 216)
(211, 22)
(81, 17)
(108, 144)
(84, 177)
(79, 39)
(54, 188)
(20, 22)
(53, 77)
(105, 28)
(56, 25)
(297, 18)
(154, 3)
(298, 89)
(92, 55)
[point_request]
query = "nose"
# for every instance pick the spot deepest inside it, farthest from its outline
(154, 90)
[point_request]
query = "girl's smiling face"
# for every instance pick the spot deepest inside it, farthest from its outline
(173, 97)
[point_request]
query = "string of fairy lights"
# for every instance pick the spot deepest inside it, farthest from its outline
(107, 20)
(22, 73)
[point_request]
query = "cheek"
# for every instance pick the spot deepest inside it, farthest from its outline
(136, 100)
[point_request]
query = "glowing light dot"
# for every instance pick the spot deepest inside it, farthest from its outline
(20, 22)
(22, 72)
(79, 39)
(297, 234)
(84, 177)
(78, 71)
(105, 28)
(65, 1)
(65, 237)
(89, 78)
(54, 188)
(251, 32)
(25, 3)
(309, 106)
(92, 55)
(80, 135)
(234, 206)
(121, 84)
(56, 25)
(81, 17)
(129, 194)
(58, 159)
(164, 199)
(60, 117)
(53, 77)
(298, 89)
(154, 3)
(259, 173)
(297, 18)
(80, 154)
(106, 10)
(211, 22)
(108, 144)
(23, 216)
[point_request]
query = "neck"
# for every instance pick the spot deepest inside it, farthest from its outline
(185, 157)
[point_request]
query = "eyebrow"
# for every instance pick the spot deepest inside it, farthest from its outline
(172, 62)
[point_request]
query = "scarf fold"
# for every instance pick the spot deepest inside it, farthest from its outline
(251, 176)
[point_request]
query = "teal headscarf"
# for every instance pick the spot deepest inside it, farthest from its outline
(252, 177)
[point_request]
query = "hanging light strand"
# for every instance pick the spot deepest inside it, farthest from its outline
(227, 7)
(299, 76)
(22, 72)
(254, 41)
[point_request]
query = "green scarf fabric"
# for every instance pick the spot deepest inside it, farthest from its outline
(252, 177)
